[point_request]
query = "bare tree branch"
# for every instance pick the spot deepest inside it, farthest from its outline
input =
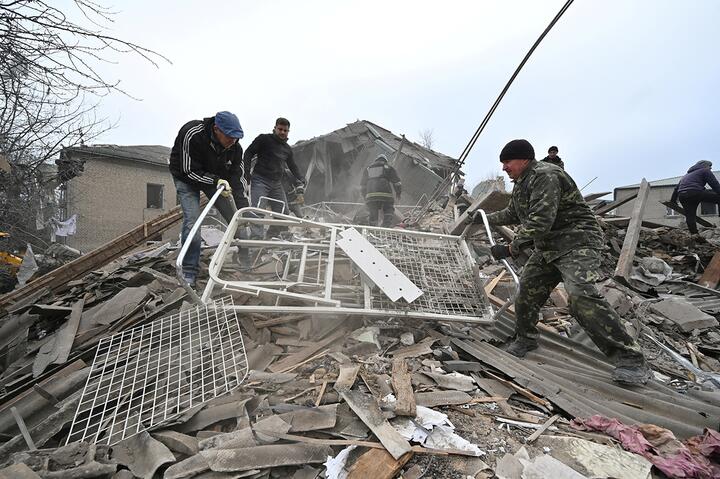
(48, 78)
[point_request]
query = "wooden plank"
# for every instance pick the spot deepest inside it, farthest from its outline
(681, 210)
(493, 200)
(346, 378)
(711, 275)
(493, 282)
(98, 257)
(402, 384)
(594, 196)
(23, 429)
(367, 409)
(378, 464)
(542, 429)
(611, 206)
(624, 265)
(300, 356)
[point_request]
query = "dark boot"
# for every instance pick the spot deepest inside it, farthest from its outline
(521, 346)
(633, 371)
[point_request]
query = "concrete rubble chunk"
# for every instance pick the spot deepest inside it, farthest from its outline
(545, 466)
(508, 467)
(686, 316)
(142, 454)
(260, 457)
(597, 460)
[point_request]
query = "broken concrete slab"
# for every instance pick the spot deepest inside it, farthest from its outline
(685, 315)
(142, 454)
(509, 467)
(261, 457)
(545, 466)
(597, 460)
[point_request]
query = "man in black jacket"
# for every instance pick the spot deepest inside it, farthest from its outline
(269, 153)
(206, 155)
(554, 158)
(377, 185)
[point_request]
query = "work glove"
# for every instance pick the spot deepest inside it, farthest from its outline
(300, 199)
(500, 251)
(473, 217)
(227, 191)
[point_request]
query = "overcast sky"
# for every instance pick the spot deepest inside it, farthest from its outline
(625, 89)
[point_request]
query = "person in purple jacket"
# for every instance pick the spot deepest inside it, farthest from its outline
(691, 191)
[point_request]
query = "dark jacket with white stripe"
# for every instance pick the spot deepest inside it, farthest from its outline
(198, 159)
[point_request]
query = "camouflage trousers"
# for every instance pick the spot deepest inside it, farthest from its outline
(579, 271)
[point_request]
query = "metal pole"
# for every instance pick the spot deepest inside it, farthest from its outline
(183, 251)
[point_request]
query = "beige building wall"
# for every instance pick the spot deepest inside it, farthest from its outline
(110, 198)
(656, 211)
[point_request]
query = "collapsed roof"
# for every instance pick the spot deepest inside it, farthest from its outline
(334, 162)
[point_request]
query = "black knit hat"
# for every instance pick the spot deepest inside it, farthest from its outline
(517, 150)
(553, 148)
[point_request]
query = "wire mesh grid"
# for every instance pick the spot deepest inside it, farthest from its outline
(148, 375)
(436, 265)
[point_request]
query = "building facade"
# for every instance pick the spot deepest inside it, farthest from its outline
(119, 188)
(655, 211)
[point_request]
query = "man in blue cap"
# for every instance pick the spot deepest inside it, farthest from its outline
(206, 155)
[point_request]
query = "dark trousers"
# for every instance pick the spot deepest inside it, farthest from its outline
(690, 201)
(388, 208)
(188, 195)
(267, 188)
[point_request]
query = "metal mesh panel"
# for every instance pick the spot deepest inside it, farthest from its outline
(437, 266)
(147, 375)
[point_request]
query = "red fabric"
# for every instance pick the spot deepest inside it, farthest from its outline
(697, 458)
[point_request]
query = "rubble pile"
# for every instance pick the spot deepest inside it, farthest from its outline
(355, 397)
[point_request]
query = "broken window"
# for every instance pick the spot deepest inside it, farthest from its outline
(154, 196)
(708, 208)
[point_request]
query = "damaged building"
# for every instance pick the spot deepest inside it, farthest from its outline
(310, 365)
(334, 163)
(113, 188)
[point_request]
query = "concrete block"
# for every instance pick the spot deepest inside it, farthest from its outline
(684, 314)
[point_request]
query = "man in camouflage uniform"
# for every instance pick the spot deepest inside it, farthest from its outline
(555, 219)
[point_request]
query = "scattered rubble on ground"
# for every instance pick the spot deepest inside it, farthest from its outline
(344, 396)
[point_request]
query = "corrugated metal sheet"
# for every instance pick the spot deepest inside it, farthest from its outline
(577, 379)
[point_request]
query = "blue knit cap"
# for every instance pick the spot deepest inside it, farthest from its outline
(229, 124)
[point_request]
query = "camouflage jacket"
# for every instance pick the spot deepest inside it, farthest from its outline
(551, 211)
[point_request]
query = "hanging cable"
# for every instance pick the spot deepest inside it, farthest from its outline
(445, 183)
